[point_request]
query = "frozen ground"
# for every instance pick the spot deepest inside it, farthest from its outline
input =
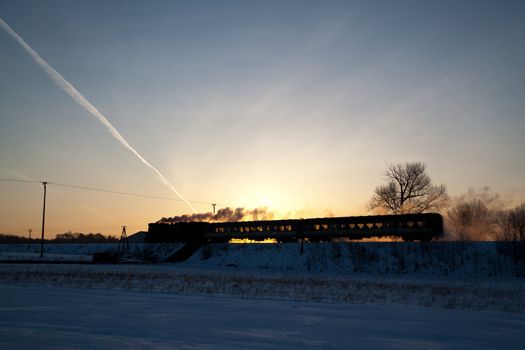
(457, 260)
(64, 318)
(367, 296)
(447, 275)
(489, 295)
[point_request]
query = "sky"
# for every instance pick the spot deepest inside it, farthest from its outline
(297, 106)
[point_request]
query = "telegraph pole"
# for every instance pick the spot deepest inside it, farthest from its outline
(29, 241)
(43, 221)
(213, 205)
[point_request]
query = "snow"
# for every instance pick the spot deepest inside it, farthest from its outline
(64, 252)
(64, 318)
(457, 260)
(447, 275)
(76, 252)
(491, 295)
(439, 259)
(442, 295)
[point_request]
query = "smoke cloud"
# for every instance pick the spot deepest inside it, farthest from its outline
(81, 100)
(224, 215)
(493, 201)
(478, 214)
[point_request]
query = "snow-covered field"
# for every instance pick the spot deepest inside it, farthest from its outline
(64, 318)
(321, 296)
(490, 295)
(64, 252)
(460, 260)
(448, 276)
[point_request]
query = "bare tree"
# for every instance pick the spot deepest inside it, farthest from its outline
(479, 215)
(511, 231)
(515, 229)
(471, 220)
(516, 223)
(409, 190)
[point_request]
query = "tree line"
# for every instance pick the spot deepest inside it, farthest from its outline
(67, 237)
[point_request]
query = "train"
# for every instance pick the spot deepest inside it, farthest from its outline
(408, 227)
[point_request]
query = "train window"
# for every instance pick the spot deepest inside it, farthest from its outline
(267, 228)
(325, 227)
(421, 224)
(216, 230)
(360, 226)
(369, 225)
(259, 228)
(351, 226)
(410, 224)
(379, 225)
(288, 227)
(317, 227)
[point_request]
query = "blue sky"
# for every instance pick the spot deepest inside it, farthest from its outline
(295, 105)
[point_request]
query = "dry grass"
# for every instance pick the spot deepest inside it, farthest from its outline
(507, 297)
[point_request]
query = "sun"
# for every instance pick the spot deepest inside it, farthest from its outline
(262, 197)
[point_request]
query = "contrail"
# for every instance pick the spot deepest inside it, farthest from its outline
(77, 96)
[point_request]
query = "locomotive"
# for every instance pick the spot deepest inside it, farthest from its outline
(409, 227)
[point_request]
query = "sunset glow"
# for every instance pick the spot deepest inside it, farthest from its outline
(248, 104)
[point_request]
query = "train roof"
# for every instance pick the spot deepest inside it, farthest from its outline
(319, 219)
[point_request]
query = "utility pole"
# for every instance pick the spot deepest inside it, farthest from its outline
(213, 205)
(29, 242)
(43, 220)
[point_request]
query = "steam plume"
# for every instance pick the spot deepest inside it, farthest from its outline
(223, 215)
(493, 201)
(77, 96)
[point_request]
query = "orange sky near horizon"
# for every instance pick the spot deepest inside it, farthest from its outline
(251, 104)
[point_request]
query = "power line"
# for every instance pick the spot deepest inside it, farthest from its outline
(17, 180)
(122, 193)
(105, 190)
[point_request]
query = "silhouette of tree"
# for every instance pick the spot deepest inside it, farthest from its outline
(408, 190)
(515, 231)
(472, 220)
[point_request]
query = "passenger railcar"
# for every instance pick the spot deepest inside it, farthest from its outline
(409, 227)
